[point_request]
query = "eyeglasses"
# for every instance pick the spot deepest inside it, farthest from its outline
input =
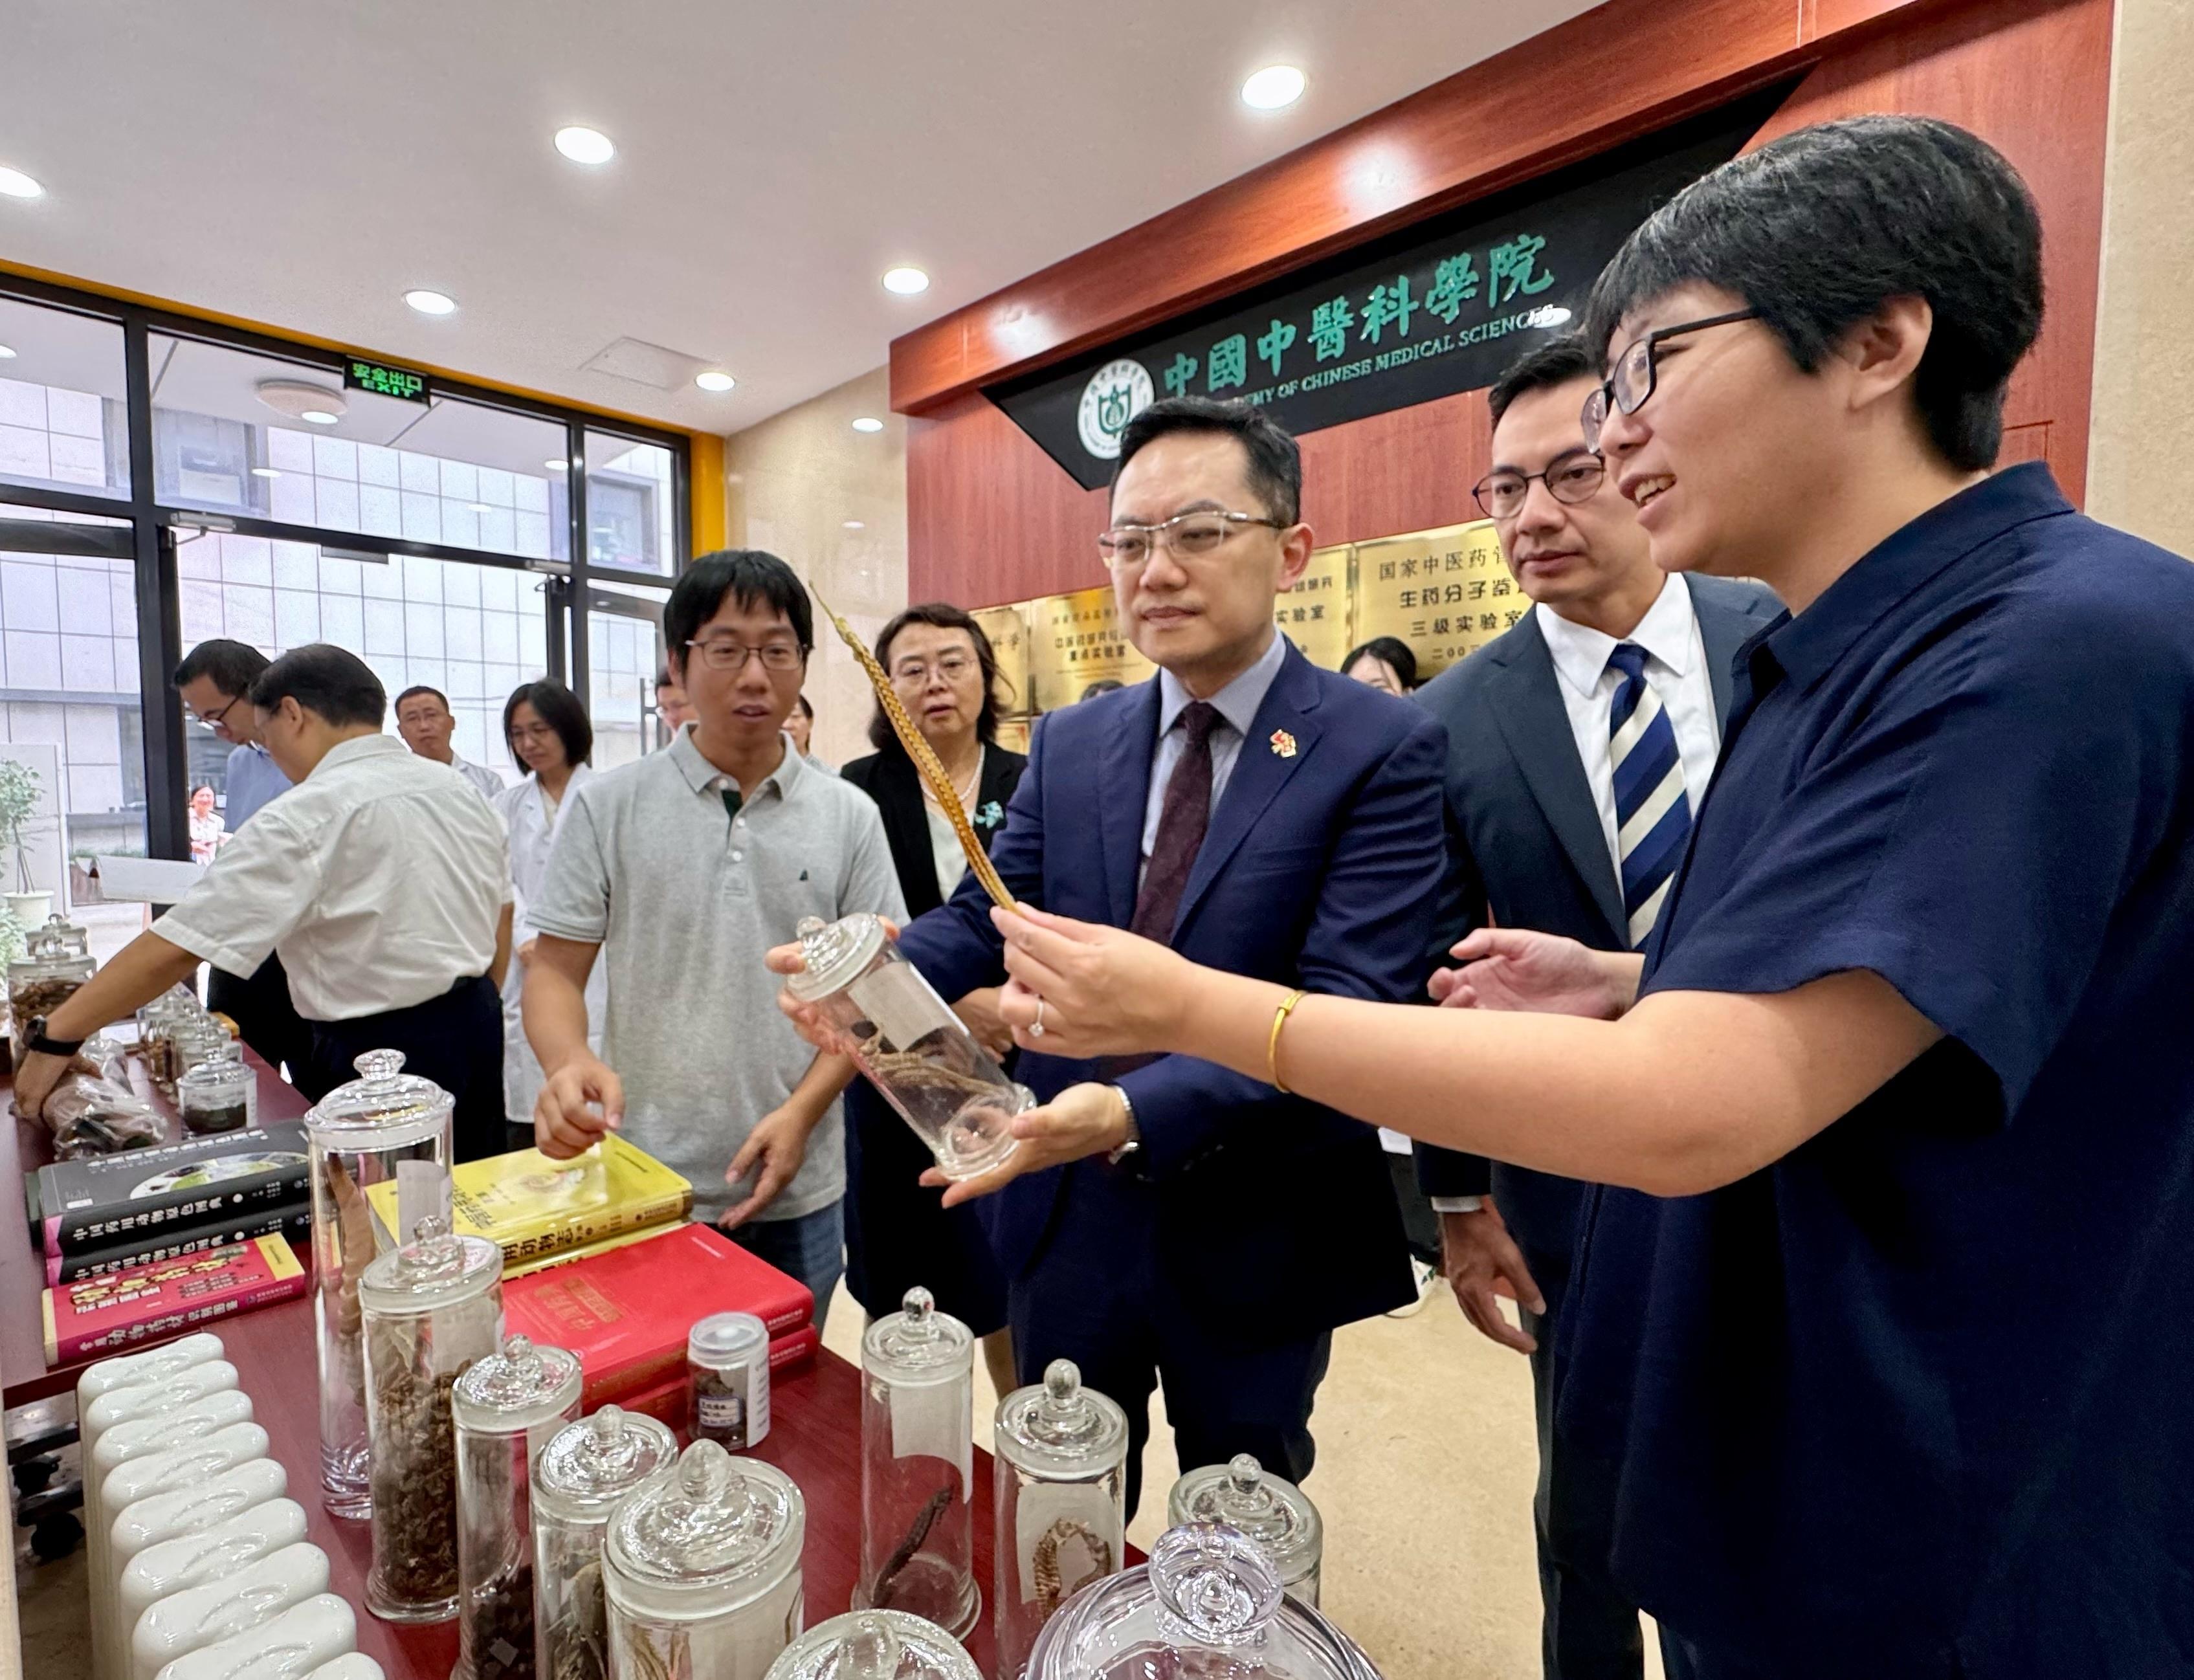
(722, 653)
(1189, 536)
(1574, 477)
(1631, 383)
(916, 672)
(210, 719)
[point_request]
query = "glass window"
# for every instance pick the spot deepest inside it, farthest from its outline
(625, 650)
(632, 507)
(229, 434)
(61, 401)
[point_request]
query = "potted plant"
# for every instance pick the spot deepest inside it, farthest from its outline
(19, 805)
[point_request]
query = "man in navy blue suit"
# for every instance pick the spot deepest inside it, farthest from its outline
(1570, 786)
(1170, 1221)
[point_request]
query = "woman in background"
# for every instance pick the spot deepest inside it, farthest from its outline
(207, 829)
(943, 669)
(551, 739)
(1383, 662)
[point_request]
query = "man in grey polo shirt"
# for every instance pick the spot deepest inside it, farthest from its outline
(679, 870)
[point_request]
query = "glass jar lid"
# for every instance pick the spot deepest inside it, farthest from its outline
(592, 1464)
(1059, 1429)
(919, 1344)
(701, 1531)
(875, 1645)
(723, 1339)
(56, 940)
(436, 1268)
(835, 952)
(222, 1074)
(509, 1392)
(382, 1109)
(1274, 1512)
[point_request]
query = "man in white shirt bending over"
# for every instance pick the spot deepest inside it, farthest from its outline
(383, 878)
(424, 719)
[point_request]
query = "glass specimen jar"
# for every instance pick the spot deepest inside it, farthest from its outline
(581, 1475)
(56, 960)
(727, 1368)
(386, 1124)
(1059, 1457)
(220, 1094)
(875, 1645)
(909, 1042)
(917, 1466)
(506, 1407)
(1276, 1514)
(431, 1308)
(701, 1567)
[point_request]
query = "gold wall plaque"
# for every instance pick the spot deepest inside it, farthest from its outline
(1008, 628)
(1075, 641)
(1317, 613)
(1446, 592)
(1014, 735)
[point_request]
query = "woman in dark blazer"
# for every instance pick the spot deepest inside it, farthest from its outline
(941, 665)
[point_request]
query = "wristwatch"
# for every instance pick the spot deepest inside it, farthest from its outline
(1133, 1142)
(37, 1044)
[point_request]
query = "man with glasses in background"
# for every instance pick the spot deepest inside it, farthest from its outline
(1263, 816)
(677, 871)
(424, 719)
(1579, 745)
(215, 682)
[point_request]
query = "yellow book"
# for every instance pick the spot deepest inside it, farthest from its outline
(570, 1256)
(530, 1206)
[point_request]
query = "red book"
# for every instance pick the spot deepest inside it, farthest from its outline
(97, 1314)
(668, 1400)
(626, 1312)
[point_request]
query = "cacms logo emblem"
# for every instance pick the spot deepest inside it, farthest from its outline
(1115, 394)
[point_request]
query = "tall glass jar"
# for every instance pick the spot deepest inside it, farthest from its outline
(581, 1475)
(385, 1125)
(917, 1466)
(506, 1407)
(431, 1308)
(1060, 1502)
(1275, 1513)
(1207, 1603)
(56, 960)
(909, 1043)
(219, 1095)
(875, 1645)
(701, 1567)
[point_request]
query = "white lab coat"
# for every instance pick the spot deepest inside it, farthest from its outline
(524, 814)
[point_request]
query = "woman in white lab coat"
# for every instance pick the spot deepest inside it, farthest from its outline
(549, 736)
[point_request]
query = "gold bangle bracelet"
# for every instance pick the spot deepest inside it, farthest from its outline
(1272, 1044)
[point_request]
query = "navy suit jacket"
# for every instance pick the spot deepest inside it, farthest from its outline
(1526, 843)
(1275, 1217)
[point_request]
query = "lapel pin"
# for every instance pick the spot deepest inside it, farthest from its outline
(1283, 744)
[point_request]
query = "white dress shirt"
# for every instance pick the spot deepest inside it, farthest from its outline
(379, 880)
(532, 825)
(1675, 670)
(492, 786)
(1237, 704)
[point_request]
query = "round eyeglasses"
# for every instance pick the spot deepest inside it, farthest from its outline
(1573, 479)
(1631, 383)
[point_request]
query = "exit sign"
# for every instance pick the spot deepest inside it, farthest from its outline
(383, 380)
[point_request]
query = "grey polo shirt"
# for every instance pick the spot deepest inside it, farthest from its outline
(684, 899)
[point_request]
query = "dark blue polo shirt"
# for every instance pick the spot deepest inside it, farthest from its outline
(1919, 1398)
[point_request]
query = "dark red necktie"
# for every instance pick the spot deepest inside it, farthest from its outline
(1182, 821)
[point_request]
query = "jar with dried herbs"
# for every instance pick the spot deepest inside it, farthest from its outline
(581, 1475)
(917, 1466)
(56, 961)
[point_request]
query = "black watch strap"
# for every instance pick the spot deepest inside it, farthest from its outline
(36, 1042)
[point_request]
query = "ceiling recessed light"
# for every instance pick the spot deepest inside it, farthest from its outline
(585, 146)
(265, 473)
(6, 353)
(855, 525)
(906, 282)
(431, 303)
(868, 423)
(713, 380)
(16, 185)
(1273, 86)
(320, 417)
(556, 463)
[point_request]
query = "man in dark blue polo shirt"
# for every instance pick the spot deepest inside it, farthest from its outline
(1884, 1342)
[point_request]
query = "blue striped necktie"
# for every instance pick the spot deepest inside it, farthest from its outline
(1652, 812)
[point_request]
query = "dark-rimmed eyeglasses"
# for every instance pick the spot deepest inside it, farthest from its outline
(1573, 478)
(723, 653)
(1187, 536)
(210, 719)
(1629, 387)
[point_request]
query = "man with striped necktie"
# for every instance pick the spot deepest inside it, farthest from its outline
(1579, 744)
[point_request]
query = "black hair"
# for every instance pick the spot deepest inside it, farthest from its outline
(1102, 686)
(751, 578)
(1818, 229)
(415, 691)
(806, 707)
(663, 679)
(233, 666)
(330, 682)
(1275, 463)
(1542, 367)
(560, 708)
(943, 616)
(1392, 651)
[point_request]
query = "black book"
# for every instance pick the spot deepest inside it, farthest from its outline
(173, 1242)
(222, 1180)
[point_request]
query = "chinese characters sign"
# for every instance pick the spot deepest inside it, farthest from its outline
(1316, 615)
(383, 380)
(1075, 641)
(1442, 308)
(1446, 592)
(1006, 626)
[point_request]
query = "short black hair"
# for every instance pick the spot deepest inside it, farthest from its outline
(1540, 368)
(1275, 463)
(1392, 649)
(943, 616)
(560, 708)
(1818, 229)
(750, 577)
(415, 691)
(329, 681)
(1102, 686)
(663, 679)
(233, 666)
(805, 708)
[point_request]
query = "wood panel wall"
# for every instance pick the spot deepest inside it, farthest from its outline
(992, 518)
